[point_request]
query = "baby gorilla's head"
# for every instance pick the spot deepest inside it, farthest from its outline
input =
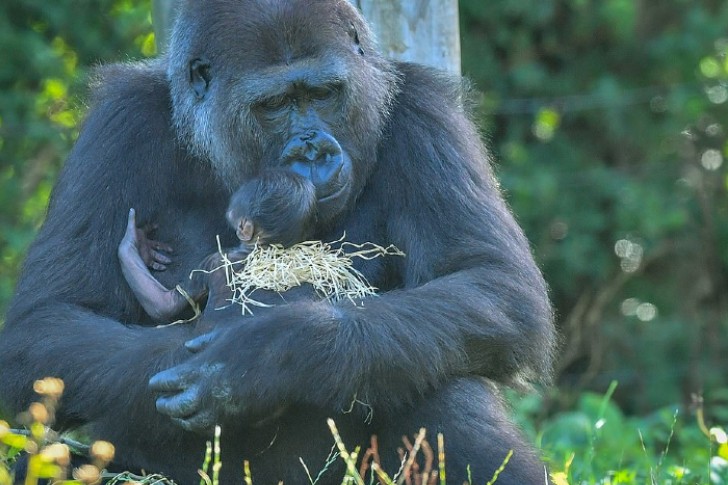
(277, 207)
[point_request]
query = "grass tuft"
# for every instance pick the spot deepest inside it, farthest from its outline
(327, 267)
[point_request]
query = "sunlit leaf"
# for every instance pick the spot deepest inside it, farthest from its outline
(546, 122)
(14, 440)
(723, 451)
(149, 45)
(55, 89)
(710, 67)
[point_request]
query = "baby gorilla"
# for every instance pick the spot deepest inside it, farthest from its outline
(278, 207)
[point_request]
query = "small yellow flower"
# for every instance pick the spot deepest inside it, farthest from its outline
(103, 451)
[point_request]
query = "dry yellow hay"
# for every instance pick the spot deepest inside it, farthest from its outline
(329, 270)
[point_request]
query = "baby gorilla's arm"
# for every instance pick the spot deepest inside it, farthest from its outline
(159, 302)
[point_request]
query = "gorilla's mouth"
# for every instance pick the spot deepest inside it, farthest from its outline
(333, 203)
(335, 196)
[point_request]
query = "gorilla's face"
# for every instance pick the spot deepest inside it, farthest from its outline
(296, 85)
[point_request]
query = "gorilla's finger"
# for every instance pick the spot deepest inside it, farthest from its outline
(180, 405)
(203, 422)
(150, 227)
(198, 344)
(131, 220)
(160, 246)
(169, 380)
(160, 258)
(157, 266)
(239, 254)
(131, 225)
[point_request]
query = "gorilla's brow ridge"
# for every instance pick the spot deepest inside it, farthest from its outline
(276, 80)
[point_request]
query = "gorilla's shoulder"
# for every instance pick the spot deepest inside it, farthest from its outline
(128, 122)
(427, 87)
(431, 124)
(130, 83)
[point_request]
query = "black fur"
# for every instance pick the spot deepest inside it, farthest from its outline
(467, 306)
(280, 205)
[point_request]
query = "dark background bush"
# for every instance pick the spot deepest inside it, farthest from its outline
(607, 123)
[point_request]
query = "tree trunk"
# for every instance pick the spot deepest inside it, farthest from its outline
(424, 31)
(163, 18)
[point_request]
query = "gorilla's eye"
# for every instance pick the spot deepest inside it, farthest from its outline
(200, 77)
(272, 104)
(322, 93)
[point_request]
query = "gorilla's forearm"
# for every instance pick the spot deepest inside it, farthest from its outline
(160, 303)
(65, 342)
(412, 340)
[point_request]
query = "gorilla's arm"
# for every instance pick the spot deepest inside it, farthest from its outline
(160, 303)
(71, 297)
(473, 300)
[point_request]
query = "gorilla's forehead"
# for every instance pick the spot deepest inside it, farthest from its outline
(268, 32)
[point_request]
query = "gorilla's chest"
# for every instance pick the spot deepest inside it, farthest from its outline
(193, 235)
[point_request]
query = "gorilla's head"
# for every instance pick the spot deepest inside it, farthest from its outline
(276, 207)
(281, 84)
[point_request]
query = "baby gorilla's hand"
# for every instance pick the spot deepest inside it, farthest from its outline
(150, 251)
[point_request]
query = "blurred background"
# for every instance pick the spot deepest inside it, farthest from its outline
(607, 120)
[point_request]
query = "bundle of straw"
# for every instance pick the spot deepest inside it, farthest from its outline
(330, 270)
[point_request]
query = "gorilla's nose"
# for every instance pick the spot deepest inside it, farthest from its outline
(317, 156)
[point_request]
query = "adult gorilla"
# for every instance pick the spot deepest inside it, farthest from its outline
(250, 85)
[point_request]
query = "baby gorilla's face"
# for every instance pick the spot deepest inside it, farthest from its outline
(251, 232)
(278, 207)
(244, 228)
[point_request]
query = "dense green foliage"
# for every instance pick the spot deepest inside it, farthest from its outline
(607, 120)
(48, 49)
(595, 442)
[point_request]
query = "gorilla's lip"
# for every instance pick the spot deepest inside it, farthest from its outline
(333, 204)
(344, 177)
(335, 195)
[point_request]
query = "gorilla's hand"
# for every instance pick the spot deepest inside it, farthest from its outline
(246, 370)
(137, 244)
(197, 393)
(183, 395)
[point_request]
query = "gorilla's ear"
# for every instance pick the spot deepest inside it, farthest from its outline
(200, 77)
(354, 34)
